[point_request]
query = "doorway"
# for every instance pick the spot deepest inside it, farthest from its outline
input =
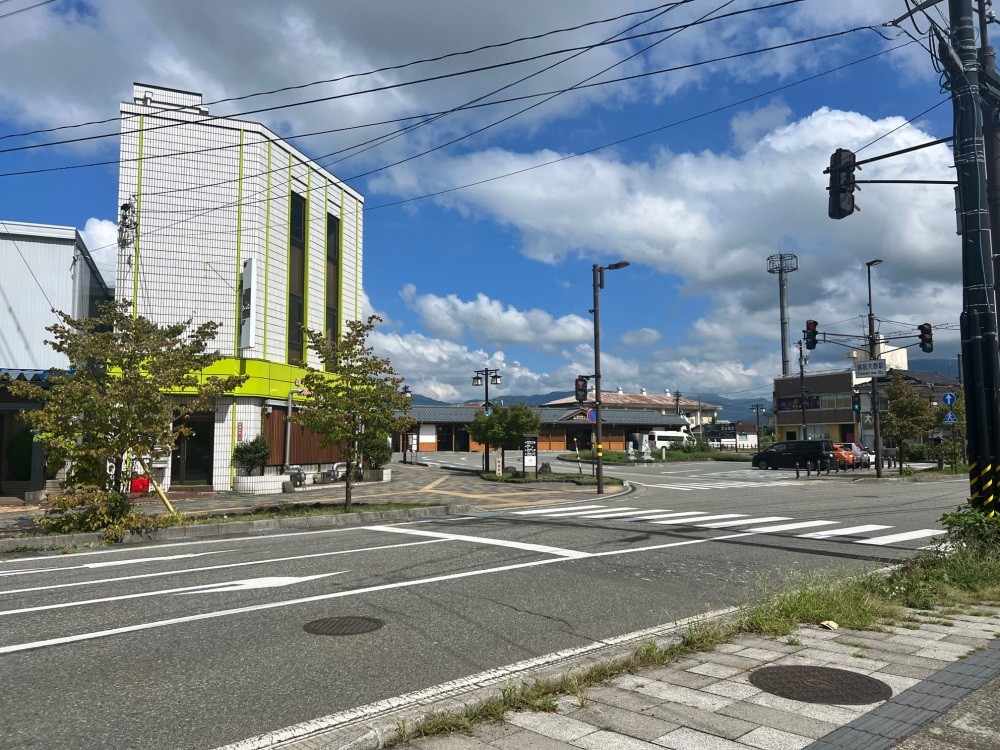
(191, 460)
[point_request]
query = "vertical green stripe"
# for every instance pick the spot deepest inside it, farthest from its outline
(357, 260)
(138, 223)
(288, 260)
(232, 446)
(267, 244)
(239, 250)
(340, 265)
(305, 264)
(326, 252)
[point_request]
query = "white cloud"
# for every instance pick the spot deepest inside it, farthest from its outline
(640, 337)
(101, 238)
(493, 322)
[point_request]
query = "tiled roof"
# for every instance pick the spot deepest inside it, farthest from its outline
(661, 401)
(466, 414)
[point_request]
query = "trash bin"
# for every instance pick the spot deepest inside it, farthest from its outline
(297, 475)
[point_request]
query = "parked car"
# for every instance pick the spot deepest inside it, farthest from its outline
(844, 456)
(816, 455)
(862, 456)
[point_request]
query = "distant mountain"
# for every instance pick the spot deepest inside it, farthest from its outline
(419, 400)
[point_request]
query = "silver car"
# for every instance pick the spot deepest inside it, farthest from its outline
(862, 456)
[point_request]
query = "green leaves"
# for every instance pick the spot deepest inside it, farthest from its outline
(356, 393)
(505, 427)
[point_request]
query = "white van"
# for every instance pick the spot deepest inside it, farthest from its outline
(669, 439)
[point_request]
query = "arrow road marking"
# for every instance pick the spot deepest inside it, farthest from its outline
(113, 563)
(205, 588)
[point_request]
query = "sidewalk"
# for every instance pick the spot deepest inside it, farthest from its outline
(942, 675)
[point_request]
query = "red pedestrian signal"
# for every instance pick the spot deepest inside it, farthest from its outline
(580, 389)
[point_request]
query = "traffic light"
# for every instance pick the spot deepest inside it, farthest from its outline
(926, 338)
(580, 389)
(856, 402)
(842, 184)
(810, 333)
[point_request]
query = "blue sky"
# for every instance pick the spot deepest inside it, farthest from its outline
(498, 272)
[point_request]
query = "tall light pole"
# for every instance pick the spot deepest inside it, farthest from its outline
(872, 345)
(408, 395)
(484, 377)
(598, 437)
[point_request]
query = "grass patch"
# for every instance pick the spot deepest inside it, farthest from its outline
(292, 511)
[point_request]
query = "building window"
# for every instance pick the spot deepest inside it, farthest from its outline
(296, 279)
(332, 277)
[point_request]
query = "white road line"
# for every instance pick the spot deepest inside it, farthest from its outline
(537, 511)
(542, 548)
(205, 588)
(670, 515)
(791, 526)
(904, 537)
(742, 521)
(843, 532)
(703, 518)
(338, 594)
(619, 514)
(116, 563)
(581, 513)
(217, 567)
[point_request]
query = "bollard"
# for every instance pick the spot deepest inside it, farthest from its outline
(796, 469)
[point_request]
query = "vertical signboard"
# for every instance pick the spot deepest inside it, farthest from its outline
(248, 306)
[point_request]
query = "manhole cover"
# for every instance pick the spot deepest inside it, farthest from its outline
(343, 626)
(821, 685)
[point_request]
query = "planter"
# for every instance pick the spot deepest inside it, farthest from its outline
(377, 475)
(269, 484)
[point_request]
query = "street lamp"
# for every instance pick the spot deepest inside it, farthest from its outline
(484, 378)
(598, 437)
(757, 409)
(871, 356)
(408, 395)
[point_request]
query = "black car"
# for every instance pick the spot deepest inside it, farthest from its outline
(816, 455)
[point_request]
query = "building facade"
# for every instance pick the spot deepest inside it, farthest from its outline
(46, 268)
(222, 220)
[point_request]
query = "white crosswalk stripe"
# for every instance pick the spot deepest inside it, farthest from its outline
(701, 519)
(717, 485)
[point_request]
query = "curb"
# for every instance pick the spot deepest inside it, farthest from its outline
(236, 528)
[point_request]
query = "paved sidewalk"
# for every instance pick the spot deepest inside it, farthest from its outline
(942, 675)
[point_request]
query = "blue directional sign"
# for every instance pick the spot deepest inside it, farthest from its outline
(948, 399)
(950, 418)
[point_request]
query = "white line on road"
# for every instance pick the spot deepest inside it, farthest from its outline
(618, 514)
(543, 548)
(114, 563)
(843, 532)
(744, 521)
(671, 515)
(557, 509)
(791, 526)
(582, 513)
(339, 594)
(670, 521)
(904, 537)
(205, 588)
(217, 567)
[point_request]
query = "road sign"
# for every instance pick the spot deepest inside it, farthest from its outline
(874, 368)
(592, 416)
(948, 399)
(950, 418)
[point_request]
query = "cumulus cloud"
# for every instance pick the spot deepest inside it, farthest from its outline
(101, 238)
(640, 337)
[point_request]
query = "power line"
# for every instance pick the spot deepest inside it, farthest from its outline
(22, 10)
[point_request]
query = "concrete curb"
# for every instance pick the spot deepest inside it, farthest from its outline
(235, 528)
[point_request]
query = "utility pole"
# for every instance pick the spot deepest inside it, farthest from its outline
(980, 357)
(802, 387)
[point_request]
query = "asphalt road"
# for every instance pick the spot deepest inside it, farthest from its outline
(200, 644)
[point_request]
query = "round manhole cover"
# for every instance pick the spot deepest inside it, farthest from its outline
(343, 626)
(821, 685)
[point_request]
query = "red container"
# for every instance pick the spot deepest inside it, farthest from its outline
(140, 484)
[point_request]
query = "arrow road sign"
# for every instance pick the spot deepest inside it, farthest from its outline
(948, 399)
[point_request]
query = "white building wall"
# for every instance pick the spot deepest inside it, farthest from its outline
(44, 267)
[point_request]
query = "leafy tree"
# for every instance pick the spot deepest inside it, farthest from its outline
(909, 416)
(505, 427)
(951, 449)
(356, 394)
(133, 382)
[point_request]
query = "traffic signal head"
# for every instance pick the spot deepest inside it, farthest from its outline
(926, 337)
(856, 402)
(842, 184)
(580, 389)
(810, 333)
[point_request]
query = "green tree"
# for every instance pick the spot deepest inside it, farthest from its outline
(505, 427)
(357, 393)
(951, 449)
(132, 383)
(909, 416)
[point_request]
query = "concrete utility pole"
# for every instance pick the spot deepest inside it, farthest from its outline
(783, 264)
(980, 357)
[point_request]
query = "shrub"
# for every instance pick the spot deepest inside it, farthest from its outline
(377, 449)
(968, 527)
(251, 455)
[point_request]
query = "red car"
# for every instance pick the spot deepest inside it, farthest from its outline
(844, 456)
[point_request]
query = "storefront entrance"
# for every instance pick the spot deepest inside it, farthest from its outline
(191, 461)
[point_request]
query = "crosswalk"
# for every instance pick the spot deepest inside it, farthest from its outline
(717, 484)
(862, 534)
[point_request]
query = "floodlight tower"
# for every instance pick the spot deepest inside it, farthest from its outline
(783, 264)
